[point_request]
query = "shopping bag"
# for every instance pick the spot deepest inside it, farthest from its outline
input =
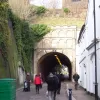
(47, 93)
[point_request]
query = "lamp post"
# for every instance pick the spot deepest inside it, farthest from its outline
(96, 84)
(58, 60)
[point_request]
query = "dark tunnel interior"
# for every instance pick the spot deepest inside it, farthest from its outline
(47, 62)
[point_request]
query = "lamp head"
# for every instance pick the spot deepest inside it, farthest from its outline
(55, 55)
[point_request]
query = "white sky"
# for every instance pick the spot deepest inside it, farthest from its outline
(46, 3)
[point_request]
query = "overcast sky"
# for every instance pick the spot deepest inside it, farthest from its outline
(46, 2)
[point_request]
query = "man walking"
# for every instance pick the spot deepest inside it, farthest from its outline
(59, 84)
(76, 78)
(52, 81)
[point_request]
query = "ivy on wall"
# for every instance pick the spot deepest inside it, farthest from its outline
(4, 29)
(26, 36)
(4, 36)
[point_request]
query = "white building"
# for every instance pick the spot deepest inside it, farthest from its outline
(85, 50)
(48, 3)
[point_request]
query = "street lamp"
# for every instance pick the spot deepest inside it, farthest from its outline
(58, 60)
(96, 84)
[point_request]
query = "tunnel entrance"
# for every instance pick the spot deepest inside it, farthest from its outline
(48, 62)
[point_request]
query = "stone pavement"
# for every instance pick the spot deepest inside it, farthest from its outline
(80, 94)
(20, 95)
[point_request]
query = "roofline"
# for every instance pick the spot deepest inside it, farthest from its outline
(81, 31)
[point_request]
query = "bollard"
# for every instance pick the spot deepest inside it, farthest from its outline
(70, 94)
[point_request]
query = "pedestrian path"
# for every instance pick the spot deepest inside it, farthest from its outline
(20, 95)
(79, 94)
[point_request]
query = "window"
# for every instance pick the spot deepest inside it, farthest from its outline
(76, 0)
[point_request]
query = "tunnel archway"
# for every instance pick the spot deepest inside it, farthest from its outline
(48, 61)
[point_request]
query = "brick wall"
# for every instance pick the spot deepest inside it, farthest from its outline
(78, 5)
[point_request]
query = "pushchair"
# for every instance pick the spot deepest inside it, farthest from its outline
(25, 89)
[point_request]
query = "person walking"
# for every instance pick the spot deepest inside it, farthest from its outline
(41, 80)
(52, 82)
(37, 82)
(28, 80)
(59, 84)
(76, 78)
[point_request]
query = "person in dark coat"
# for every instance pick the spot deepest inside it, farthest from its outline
(41, 80)
(59, 85)
(28, 80)
(52, 81)
(76, 78)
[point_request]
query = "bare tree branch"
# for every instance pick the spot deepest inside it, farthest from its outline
(20, 7)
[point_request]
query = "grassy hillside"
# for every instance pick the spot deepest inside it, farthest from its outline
(58, 21)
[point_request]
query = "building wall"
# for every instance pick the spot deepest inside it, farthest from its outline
(77, 8)
(85, 50)
(21, 76)
(61, 39)
(78, 5)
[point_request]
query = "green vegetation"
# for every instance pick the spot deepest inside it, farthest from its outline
(39, 30)
(17, 40)
(57, 17)
(66, 10)
(40, 10)
(4, 30)
(2, 68)
(59, 21)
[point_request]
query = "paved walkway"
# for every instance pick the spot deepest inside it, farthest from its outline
(20, 95)
(79, 94)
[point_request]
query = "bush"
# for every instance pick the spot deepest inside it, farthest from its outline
(39, 30)
(66, 10)
(40, 10)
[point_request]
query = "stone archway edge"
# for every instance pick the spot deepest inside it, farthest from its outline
(63, 33)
